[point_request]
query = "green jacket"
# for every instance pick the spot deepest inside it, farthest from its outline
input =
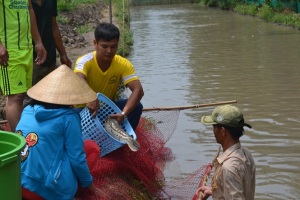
(15, 31)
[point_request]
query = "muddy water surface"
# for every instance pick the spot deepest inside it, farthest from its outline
(186, 54)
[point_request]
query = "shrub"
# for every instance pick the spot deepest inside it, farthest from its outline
(245, 9)
(265, 12)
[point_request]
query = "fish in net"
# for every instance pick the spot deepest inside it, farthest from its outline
(124, 174)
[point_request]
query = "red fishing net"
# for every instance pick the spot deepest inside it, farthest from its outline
(4, 126)
(124, 174)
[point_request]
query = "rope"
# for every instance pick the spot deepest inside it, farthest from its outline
(207, 173)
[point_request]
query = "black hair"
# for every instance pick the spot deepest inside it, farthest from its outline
(33, 102)
(106, 31)
(236, 132)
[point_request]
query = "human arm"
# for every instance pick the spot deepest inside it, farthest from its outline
(59, 44)
(94, 105)
(135, 97)
(38, 44)
(3, 55)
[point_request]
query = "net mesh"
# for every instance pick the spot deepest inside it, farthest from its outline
(124, 174)
(4, 126)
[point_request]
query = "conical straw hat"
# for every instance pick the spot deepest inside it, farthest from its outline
(62, 86)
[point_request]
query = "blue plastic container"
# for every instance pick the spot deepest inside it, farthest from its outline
(93, 128)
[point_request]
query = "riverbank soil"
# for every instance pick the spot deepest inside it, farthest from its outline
(75, 43)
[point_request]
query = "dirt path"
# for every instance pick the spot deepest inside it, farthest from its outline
(74, 53)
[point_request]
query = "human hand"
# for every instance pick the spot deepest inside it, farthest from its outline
(93, 107)
(204, 192)
(3, 56)
(41, 53)
(65, 60)
(118, 117)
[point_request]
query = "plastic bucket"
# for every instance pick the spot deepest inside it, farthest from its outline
(11, 145)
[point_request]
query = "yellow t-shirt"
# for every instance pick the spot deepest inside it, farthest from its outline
(108, 82)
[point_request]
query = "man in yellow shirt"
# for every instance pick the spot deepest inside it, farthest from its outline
(104, 71)
(17, 29)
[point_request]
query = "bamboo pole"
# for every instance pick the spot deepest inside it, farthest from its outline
(176, 107)
(191, 106)
(110, 12)
(128, 10)
(123, 11)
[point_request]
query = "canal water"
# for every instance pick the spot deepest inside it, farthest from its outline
(188, 54)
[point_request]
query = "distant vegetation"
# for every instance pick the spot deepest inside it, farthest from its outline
(279, 12)
(266, 12)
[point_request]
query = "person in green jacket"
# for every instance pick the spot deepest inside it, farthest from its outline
(17, 29)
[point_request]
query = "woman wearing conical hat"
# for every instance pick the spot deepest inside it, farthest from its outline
(54, 161)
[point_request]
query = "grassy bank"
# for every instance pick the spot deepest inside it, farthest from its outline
(278, 13)
(266, 12)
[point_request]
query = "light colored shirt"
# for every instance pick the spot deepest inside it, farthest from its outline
(234, 176)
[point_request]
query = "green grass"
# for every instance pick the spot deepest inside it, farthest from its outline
(280, 13)
(69, 5)
(62, 20)
(84, 29)
(247, 9)
(126, 40)
(266, 12)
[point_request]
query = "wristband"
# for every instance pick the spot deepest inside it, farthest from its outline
(124, 115)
